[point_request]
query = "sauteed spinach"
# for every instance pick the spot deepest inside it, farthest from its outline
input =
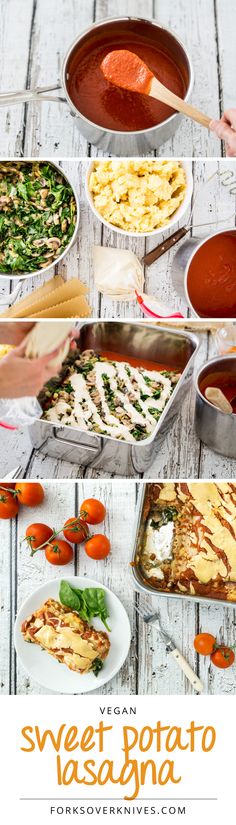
(37, 215)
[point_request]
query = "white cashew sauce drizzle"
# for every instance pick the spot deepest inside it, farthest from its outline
(82, 409)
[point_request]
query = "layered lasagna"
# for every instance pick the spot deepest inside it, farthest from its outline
(67, 638)
(110, 397)
(187, 540)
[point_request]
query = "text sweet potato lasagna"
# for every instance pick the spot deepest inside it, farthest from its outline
(187, 540)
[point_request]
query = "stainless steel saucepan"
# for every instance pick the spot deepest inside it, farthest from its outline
(215, 428)
(109, 140)
(182, 262)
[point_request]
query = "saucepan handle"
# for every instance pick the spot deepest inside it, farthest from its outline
(31, 95)
(163, 247)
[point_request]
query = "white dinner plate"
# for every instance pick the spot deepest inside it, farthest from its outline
(57, 677)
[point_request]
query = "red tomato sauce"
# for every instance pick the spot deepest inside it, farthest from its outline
(211, 279)
(225, 381)
(110, 106)
(125, 69)
(137, 362)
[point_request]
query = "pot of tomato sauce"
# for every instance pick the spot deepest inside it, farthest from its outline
(204, 273)
(215, 428)
(114, 119)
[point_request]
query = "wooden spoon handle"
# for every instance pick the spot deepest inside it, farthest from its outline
(166, 96)
(163, 247)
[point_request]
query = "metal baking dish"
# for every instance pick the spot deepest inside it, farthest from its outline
(139, 582)
(141, 340)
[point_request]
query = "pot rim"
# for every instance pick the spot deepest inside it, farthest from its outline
(99, 24)
(212, 361)
(21, 277)
(200, 243)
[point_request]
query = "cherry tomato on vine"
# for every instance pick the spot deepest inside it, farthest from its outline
(30, 493)
(59, 552)
(92, 511)
(36, 534)
(9, 505)
(75, 530)
(204, 643)
(98, 547)
(223, 657)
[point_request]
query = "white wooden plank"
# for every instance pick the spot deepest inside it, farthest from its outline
(158, 672)
(50, 128)
(15, 449)
(226, 24)
(15, 29)
(194, 23)
(58, 505)
(119, 499)
(221, 622)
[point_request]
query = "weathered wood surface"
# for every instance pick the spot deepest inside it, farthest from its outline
(212, 204)
(148, 668)
(181, 454)
(35, 36)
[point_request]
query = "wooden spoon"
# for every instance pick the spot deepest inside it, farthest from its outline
(125, 69)
(218, 399)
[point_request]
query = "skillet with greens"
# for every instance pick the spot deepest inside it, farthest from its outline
(37, 215)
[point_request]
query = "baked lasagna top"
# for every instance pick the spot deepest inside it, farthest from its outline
(111, 398)
(187, 541)
(62, 633)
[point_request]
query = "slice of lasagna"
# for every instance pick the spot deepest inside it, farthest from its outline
(188, 541)
(67, 638)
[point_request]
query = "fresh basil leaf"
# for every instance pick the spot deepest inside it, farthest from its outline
(87, 603)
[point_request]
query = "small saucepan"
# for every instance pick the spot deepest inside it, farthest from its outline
(204, 274)
(117, 139)
(215, 428)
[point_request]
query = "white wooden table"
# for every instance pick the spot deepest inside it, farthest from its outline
(35, 36)
(213, 203)
(148, 668)
(181, 454)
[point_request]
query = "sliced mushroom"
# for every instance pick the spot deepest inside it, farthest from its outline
(218, 399)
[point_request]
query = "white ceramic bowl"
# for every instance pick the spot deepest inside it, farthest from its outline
(16, 276)
(176, 217)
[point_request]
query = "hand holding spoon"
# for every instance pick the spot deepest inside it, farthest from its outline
(125, 69)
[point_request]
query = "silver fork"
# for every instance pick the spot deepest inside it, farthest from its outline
(154, 618)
